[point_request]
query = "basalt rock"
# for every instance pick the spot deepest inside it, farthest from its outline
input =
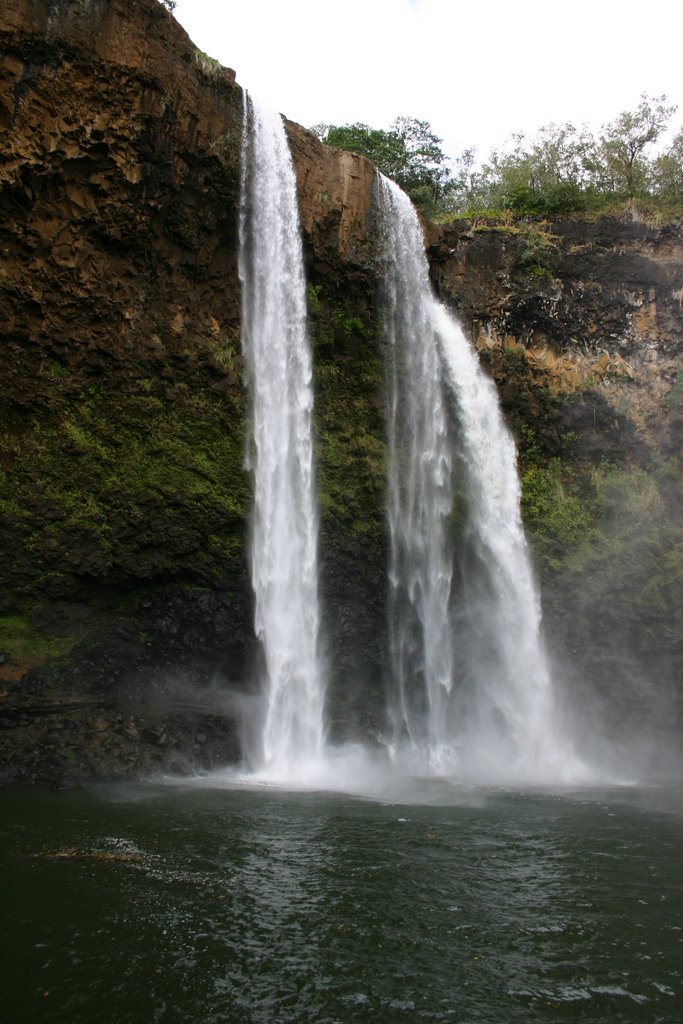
(592, 311)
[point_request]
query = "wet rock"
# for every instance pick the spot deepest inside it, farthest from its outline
(155, 734)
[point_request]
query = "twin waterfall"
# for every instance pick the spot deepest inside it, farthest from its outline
(470, 690)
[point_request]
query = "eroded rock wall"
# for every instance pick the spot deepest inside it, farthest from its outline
(125, 607)
(591, 306)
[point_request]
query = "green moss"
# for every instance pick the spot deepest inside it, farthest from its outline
(28, 646)
(223, 354)
(351, 326)
(84, 443)
(609, 533)
(209, 67)
(674, 398)
(223, 180)
(631, 572)
(557, 517)
(119, 486)
(315, 307)
(350, 446)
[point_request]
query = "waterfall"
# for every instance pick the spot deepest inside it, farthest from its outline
(420, 493)
(470, 686)
(284, 524)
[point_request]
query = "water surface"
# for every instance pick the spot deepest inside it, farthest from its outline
(220, 904)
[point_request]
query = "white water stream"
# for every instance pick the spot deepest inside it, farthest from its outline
(284, 525)
(471, 691)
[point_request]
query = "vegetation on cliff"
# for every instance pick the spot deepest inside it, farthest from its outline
(565, 169)
(562, 170)
(409, 153)
(609, 550)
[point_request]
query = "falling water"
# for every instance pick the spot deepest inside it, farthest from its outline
(284, 523)
(471, 687)
(420, 494)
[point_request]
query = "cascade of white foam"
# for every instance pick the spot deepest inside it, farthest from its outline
(420, 496)
(472, 691)
(284, 523)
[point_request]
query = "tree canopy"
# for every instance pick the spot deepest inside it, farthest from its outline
(564, 169)
(561, 170)
(409, 153)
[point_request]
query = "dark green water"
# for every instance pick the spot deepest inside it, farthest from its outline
(160, 904)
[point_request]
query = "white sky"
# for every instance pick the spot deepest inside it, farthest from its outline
(477, 71)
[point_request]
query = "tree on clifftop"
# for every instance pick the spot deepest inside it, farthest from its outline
(667, 171)
(624, 140)
(564, 169)
(409, 153)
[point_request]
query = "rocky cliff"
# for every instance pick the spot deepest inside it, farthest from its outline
(125, 606)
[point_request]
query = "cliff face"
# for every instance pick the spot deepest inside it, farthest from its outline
(125, 605)
(590, 306)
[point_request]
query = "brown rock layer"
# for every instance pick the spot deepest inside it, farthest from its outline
(593, 308)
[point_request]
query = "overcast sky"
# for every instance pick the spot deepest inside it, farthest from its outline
(477, 71)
